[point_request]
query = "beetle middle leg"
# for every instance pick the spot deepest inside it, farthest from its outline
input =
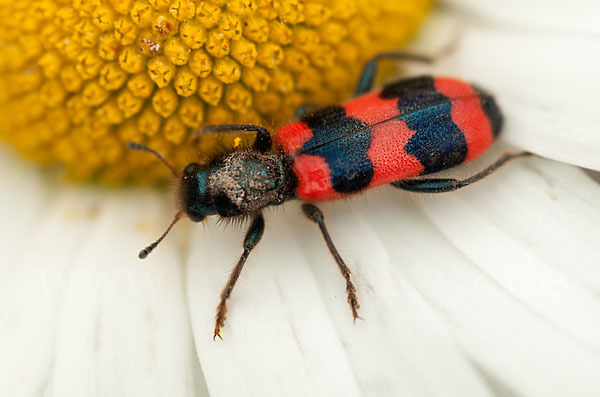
(443, 185)
(306, 108)
(367, 76)
(314, 214)
(253, 236)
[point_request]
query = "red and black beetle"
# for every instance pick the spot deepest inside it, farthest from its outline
(410, 128)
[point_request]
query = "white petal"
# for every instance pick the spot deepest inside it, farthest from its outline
(80, 314)
(122, 315)
(24, 197)
(527, 310)
(575, 15)
(26, 324)
(544, 78)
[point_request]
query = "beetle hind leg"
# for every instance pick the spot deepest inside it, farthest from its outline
(314, 214)
(443, 185)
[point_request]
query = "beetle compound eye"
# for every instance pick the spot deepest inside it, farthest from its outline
(194, 214)
(190, 169)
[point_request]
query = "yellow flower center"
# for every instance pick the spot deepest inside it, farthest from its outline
(80, 78)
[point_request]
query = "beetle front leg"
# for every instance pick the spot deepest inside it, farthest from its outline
(253, 236)
(263, 140)
(314, 214)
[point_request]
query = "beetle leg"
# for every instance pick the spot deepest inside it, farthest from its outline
(367, 76)
(314, 214)
(306, 108)
(442, 185)
(253, 236)
(263, 140)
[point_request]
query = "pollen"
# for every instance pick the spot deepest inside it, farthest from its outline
(79, 79)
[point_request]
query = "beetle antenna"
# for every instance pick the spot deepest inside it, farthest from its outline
(146, 251)
(144, 148)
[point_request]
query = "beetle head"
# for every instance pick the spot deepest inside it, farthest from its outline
(195, 195)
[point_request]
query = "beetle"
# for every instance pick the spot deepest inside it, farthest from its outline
(409, 128)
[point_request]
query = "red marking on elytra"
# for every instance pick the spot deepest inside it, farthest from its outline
(467, 114)
(314, 179)
(388, 156)
(371, 109)
(292, 137)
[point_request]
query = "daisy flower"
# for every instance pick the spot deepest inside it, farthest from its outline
(491, 290)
